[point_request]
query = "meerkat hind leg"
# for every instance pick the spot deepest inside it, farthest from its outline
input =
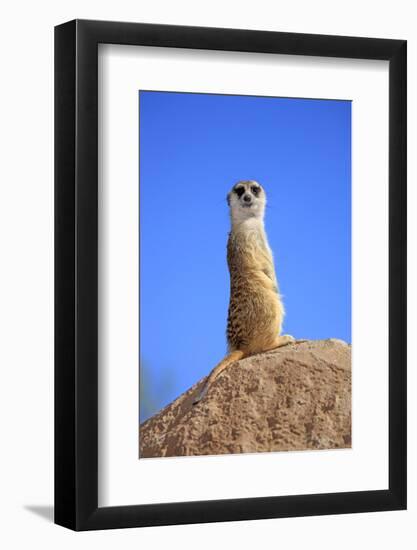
(282, 340)
(285, 339)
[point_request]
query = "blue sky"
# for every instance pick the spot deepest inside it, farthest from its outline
(193, 149)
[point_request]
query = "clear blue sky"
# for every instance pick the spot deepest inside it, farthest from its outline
(193, 149)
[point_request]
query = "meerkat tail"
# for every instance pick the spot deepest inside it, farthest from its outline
(218, 369)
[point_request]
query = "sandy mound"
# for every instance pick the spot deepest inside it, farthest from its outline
(296, 397)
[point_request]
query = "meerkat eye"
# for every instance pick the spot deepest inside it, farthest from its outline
(239, 191)
(255, 190)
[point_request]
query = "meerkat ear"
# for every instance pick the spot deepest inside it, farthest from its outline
(228, 198)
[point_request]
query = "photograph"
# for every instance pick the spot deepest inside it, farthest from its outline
(209, 257)
(244, 274)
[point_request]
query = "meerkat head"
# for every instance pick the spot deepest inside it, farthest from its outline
(246, 200)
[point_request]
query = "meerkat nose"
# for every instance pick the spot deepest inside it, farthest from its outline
(247, 198)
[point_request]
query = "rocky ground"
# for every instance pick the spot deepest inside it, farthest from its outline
(293, 398)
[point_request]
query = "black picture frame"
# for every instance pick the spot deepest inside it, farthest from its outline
(76, 274)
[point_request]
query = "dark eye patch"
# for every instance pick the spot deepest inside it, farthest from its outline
(255, 190)
(239, 191)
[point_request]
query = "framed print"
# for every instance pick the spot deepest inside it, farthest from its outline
(230, 255)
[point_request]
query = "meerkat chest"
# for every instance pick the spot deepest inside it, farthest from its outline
(248, 249)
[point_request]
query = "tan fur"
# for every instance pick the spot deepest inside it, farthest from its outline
(256, 311)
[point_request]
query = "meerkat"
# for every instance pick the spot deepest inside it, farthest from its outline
(256, 311)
